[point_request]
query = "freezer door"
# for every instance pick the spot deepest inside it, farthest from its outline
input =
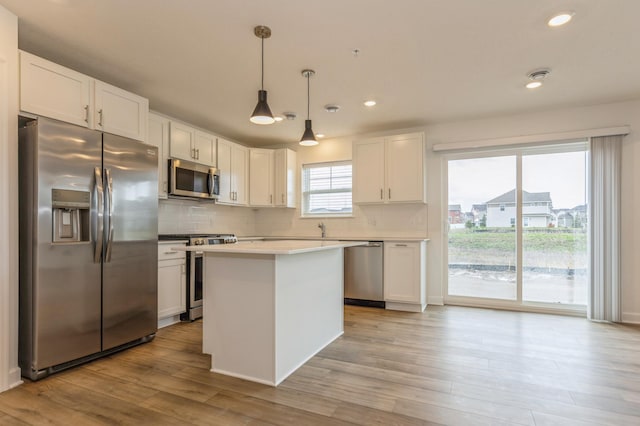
(59, 281)
(130, 268)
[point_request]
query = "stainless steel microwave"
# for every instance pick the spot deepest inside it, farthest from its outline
(187, 179)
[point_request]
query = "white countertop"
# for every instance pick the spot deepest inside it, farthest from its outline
(294, 238)
(273, 247)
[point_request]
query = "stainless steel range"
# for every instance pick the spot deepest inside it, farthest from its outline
(195, 269)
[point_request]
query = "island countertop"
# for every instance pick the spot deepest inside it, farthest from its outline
(273, 247)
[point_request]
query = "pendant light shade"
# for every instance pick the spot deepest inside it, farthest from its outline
(308, 138)
(262, 113)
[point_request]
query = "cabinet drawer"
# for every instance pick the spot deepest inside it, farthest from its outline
(165, 252)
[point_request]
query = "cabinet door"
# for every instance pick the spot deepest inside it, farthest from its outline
(402, 269)
(54, 91)
(224, 166)
(261, 165)
(120, 112)
(181, 141)
(158, 135)
(285, 166)
(405, 168)
(368, 171)
(205, 149)
(172, 281)
(240, 170)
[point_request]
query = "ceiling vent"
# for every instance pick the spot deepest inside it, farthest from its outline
(540, 74)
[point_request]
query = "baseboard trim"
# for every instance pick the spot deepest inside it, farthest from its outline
(14, 377)
(631, 317)
(436, 300)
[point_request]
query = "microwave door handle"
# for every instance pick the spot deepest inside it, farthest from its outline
(109, 186)
(210, 184)
(98, 214)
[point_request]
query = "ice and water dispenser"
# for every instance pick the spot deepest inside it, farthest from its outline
(71, 215)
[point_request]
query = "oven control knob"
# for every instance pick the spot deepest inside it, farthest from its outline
(198, 242)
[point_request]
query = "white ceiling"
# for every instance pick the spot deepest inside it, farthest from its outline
(424, 61)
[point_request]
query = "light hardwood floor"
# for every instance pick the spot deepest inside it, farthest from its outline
(448, 365)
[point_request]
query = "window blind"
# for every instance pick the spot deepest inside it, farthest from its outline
(326, 189)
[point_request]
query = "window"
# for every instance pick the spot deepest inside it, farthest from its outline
(501, 207)
(525, 221)
(326, 189)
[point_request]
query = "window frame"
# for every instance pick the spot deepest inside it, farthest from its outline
(304, 214)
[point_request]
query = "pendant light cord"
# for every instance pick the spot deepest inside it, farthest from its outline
(262, 70)
(308, 94)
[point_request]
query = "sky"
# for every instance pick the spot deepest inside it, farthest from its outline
(478, 180)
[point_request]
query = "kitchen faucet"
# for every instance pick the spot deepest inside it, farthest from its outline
(322, 227)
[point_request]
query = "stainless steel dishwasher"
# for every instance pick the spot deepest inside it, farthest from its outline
(363, 278)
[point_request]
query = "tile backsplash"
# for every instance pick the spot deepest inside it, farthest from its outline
(177, 216)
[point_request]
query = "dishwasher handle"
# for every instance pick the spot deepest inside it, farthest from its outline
(374, 244)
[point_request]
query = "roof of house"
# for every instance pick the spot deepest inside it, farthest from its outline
(479, 207)
(527, 197)
(455, 207)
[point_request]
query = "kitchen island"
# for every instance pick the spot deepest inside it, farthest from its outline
(269, 306)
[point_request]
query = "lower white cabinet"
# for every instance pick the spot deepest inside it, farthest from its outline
(172, 282)
(405, 286)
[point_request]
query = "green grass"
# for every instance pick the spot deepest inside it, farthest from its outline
(504, 240)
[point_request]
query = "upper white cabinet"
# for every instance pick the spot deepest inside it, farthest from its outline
(405, 275)
(233, 163)
(188, 143)
(51, 90)
(272, 177)
(261, 177)
(120, 112)
(286, 167)
(158, 135)
(54, 91)
(389, 169)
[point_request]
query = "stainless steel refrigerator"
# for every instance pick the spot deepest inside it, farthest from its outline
(88, 244)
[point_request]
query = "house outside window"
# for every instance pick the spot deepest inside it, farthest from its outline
(327, 189)
(525, 221)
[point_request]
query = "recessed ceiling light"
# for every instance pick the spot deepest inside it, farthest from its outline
(331, 108)
(289, 115)
(369, 103)
(536, 77)
(560, 19)
(319, 135)
(278, 118)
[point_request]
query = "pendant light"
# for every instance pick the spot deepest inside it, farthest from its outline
(262, 114)
(308, 139)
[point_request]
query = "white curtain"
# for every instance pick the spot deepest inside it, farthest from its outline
(604, 188)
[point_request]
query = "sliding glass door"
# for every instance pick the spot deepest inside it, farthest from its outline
(517, 227)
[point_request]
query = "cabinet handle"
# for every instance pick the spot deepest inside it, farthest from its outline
(389, 193)
(271, 199)
(86, 114)
(282, 198)
(197, 154)
(381, 194)
(164, 186)
(100, 119)
(169, 252)
(193, 153)
(401, 245)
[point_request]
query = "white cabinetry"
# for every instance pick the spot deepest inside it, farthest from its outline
(120, 112)
(261, 177)
(158, 135)
(405, 275)
(51, 90)
(172, 282)
(188, 143)
(389, 169)
(286, 167)
(54, 91)
(272, 177)
(233, 163)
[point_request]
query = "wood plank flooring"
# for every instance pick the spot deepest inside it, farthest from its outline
(447, 365)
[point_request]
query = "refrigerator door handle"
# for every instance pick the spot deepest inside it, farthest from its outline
(99, 214)
(109, 209)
